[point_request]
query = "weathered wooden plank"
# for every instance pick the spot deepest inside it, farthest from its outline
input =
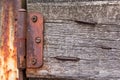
(98, 11)
(62, 1)
(97, 45)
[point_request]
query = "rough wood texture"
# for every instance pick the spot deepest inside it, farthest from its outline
(87, 30)
(62, 1)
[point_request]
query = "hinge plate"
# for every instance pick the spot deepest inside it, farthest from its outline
(34, 40)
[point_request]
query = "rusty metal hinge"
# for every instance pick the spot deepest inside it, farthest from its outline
(21, 38)
(30, 40)
(21, 43)
(35, 40)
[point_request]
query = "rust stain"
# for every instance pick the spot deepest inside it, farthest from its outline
(8, 56)
(35, 72)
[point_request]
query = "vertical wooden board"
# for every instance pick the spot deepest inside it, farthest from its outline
(66, 34)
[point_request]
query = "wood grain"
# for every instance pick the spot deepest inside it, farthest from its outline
(65, 34)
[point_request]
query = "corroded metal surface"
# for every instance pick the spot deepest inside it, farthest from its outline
(21, 38)
(8, 56)
(34, 40)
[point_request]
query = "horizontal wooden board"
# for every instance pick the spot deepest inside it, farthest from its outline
(62, 1)
(86, 30)
(94, 12)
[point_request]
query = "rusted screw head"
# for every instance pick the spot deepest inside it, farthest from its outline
(34, 61)
(37, 40)
(34, 18)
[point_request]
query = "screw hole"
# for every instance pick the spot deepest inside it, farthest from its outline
(34, 18)
(34, 61)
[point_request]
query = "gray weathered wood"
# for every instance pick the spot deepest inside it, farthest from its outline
(62, 1)
(97, 45)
